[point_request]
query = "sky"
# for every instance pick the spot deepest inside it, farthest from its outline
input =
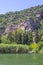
(17, 5)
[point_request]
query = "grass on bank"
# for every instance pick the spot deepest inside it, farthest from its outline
(21, 48)
(13, 48)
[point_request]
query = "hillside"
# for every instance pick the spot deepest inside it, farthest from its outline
(22, 31)
(34, 13)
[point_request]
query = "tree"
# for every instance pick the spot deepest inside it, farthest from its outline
(0, 38)
(41, 24)
(3, 20)
(37, 36)
(29, 37)
(19, 35)
(25, 38)
(10, 37)
(5, 40)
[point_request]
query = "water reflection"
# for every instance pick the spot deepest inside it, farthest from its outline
(35, 57)
(21, 59)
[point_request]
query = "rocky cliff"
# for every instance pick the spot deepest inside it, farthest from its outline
(28, 19)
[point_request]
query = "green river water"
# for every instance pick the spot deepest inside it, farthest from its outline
(21, 59)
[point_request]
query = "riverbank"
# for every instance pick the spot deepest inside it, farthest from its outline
(20, 48)
(13, 48)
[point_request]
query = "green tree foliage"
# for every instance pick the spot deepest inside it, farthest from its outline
(37, 36)
(5, 40)
(18, 35)
(25, 38)
(10, 37)
(41, 24)
(0, 38)
(3, 20)
(29, 37)
(22, 37)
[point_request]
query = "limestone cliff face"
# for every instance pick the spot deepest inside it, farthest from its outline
(28, 20)
(28, 25)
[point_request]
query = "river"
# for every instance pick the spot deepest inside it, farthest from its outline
(21, 59)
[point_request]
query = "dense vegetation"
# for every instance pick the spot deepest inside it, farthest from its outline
(21, 41)
(19, 16)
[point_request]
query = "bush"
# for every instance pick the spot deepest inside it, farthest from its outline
(41, 43)
(41, 50)
(34, 47)
(5, 40)
(8, 48)
(13, 48)
(23, 49)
